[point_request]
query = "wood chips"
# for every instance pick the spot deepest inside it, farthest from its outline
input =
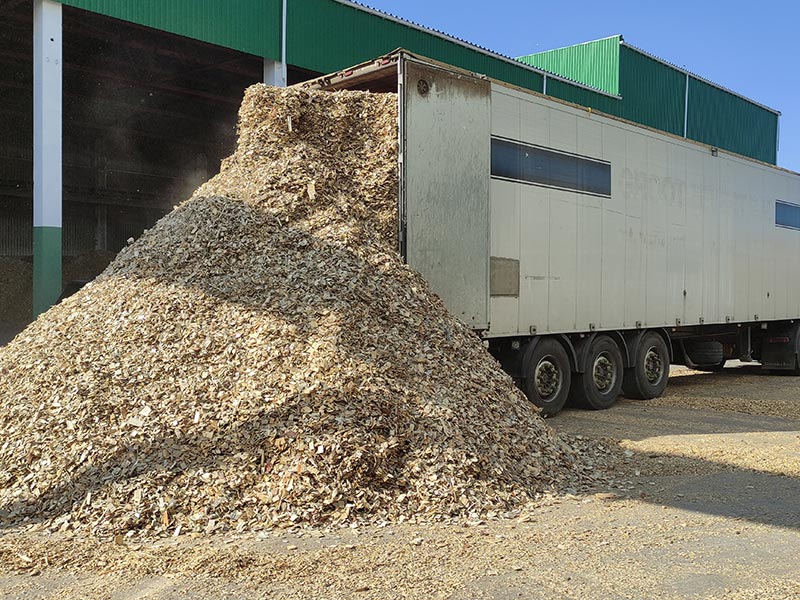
(262, 357)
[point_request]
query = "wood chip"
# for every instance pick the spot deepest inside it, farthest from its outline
(262, 357)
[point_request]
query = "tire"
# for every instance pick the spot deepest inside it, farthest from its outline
(546, 376)
(713, 368)
(705, 353)
(599, 385)
(648, 376)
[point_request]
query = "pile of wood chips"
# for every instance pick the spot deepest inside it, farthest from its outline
(263, 358)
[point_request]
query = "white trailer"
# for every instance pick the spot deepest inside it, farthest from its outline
(588, 251)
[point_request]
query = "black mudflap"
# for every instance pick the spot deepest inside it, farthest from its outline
(779, 349)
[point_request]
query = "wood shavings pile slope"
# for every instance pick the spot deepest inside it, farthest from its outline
(262, 357)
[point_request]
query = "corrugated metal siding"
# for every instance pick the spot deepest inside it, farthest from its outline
(78, 228)
(582, 96)
(653, 93)
(335, 36)
(323, 35)
(252, 26)
(128, 222)
(16, 234)
(594, 63)
(727, 121)
(327, 36)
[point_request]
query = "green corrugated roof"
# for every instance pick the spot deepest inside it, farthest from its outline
(595, 63)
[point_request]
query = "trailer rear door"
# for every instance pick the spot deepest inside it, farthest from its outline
(445, 150)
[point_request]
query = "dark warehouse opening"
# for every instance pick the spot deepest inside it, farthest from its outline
(147, 117)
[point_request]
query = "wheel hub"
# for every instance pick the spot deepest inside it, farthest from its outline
(604, 373)
(653, 366)
(548, 379)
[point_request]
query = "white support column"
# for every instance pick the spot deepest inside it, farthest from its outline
(275, 72)
(47, 179)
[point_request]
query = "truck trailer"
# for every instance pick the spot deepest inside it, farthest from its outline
(589, 252)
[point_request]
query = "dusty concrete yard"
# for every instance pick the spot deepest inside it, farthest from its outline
(702, 500)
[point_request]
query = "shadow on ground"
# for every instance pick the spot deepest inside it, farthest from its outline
(695, 475)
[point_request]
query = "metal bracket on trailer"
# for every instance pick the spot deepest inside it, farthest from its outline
(570, 348)
(743, 344)
(686, 360)
(581, 349)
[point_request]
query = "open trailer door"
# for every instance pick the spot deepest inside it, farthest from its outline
(444, 171)
(445, 153)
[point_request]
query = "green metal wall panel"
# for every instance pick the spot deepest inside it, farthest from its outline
(252, 26)
(653, 93)
(326, 36)
(595, 64)
(721, 119)
(582, 96)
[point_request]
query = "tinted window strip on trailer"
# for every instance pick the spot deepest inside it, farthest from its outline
(550, 168)
(787, 215)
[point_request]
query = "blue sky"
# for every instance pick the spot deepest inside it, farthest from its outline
(751, 48)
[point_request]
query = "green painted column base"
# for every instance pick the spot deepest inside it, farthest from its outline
(46, 268)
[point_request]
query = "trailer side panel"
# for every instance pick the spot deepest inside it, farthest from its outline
(618, 227)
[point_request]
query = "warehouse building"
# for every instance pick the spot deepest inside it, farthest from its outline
(653, 92)
(113, 111)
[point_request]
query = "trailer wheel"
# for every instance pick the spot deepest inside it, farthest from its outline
(546, 375)
(648, 376)
(599, 385)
